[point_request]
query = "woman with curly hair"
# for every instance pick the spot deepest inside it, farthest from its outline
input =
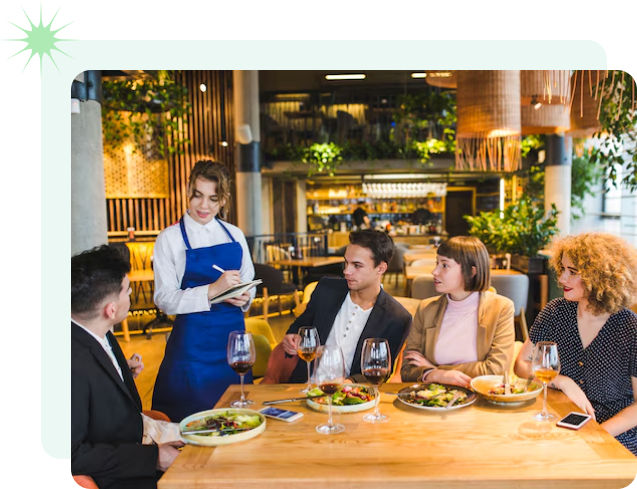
(596, 334)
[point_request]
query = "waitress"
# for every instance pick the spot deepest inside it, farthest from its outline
(188, 258)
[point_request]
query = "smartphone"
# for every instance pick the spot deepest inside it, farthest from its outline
(282, 414)
(574, 421)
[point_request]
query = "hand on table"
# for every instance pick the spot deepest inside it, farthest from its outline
(575, 394)
(167, 454)
(135, 364)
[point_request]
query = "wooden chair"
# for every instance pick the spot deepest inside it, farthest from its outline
(87, 481)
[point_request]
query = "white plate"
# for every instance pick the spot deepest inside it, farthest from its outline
(351, 408)
(484, 383)
(471, 397)
(213, 441)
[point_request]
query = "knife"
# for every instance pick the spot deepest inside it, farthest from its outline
(213, 430)
(292, 399)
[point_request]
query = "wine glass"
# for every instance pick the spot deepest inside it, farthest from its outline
(241, 357)
(330, 375)
(307, 350)
(546, 366)
(375, 366)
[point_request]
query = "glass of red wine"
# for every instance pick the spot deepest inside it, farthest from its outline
(241, 357)
(330, 375)
(307, 350)
(376, 366)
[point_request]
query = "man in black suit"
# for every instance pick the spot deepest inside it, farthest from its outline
(349, 310)
(106, 419)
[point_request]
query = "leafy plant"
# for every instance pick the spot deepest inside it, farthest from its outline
(323, 158)
(531, 142)
(524, 228)
(145, 111)
(618, 134)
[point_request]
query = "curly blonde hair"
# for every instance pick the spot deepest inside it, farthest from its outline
(608, 268)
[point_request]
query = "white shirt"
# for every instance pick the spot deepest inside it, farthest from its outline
(347, 329)
(169, 263)
(107, 348)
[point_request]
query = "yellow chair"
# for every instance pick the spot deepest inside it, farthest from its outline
(307, 294)
(263, 349)
(261, 327)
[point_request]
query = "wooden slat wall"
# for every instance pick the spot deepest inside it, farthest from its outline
(205, 130)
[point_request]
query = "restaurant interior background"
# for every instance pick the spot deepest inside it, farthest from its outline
(487, 153)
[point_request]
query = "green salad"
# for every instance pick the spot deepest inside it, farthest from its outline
(223, 424)
(435, 395)
(346, 396)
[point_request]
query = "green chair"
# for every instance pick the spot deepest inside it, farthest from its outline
(263, 349)
(261, 327)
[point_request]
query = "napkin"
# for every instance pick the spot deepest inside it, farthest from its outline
(159, 432)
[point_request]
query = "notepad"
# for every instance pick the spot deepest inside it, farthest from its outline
(234, 291)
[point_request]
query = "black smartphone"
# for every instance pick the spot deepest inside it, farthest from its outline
(574, 421)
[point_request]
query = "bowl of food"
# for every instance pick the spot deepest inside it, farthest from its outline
(351, 398)
(221, 426)
(491, 388)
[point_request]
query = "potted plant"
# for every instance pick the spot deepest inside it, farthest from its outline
(523, 229)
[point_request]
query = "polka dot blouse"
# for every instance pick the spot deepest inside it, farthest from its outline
(603, 369)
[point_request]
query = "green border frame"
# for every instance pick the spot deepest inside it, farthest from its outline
(191, 55)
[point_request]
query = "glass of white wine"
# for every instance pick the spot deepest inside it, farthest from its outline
(307, 350)
(546, 366)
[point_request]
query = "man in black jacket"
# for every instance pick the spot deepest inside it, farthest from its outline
(106, 419)
(348, 311)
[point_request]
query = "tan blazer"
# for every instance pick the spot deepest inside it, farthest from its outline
(495, 339)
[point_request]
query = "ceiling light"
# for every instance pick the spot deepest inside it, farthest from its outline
(440, 74)
(224, 143)
(534, 102)
(351, 76)
(202, 87)
(419, 75)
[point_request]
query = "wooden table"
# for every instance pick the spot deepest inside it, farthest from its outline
(412, 272)
(481, 446)
(309, 262)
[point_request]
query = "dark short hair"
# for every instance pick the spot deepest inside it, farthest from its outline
(96, 274)
(379, 243)
(469, 252)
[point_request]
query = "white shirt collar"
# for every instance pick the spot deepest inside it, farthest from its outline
(106, 346)
(195, 226)
(101, 340)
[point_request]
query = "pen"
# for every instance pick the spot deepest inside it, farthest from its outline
(219, 269)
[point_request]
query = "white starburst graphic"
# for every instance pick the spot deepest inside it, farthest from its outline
(40, 39)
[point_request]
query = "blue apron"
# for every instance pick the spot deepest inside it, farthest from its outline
(195, 371)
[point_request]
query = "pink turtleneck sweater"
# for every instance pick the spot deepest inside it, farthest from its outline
(457, 339)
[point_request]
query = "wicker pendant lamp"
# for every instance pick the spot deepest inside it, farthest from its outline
(442, 78)
(587, 87)
(544, 95)
(488, 129)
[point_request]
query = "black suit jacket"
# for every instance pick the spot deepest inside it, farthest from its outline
(388, 320)
(106, 422)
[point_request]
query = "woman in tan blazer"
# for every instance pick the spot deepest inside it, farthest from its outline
(467, 331)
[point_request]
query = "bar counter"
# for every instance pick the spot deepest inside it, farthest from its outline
(483, 445)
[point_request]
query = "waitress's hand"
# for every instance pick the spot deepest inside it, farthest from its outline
(239, 301)
(227, 280)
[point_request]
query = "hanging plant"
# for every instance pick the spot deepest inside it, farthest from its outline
(145, 112)
(322, 158)
(618, 133)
